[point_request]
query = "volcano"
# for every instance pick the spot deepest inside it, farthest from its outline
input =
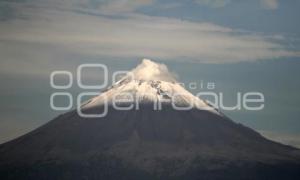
(153, 129)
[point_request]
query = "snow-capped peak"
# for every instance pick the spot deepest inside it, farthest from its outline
(149, 82)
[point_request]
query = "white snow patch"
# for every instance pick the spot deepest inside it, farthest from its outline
(149, 82)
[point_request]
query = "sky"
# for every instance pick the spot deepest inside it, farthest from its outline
(240, 45)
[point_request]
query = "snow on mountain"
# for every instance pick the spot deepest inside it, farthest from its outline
(149, 82)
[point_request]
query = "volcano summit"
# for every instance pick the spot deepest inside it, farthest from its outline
(145, 142)
(148, 83)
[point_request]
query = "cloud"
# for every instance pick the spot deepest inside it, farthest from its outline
(137, 35)
(102, 6)
(170, 5)
(266, 4)
(121, 6)
(284, 138)
(149, 70)
(45, 37)
(213, 3)
(269, 4)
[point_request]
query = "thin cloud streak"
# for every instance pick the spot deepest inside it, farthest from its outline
(270, 4)
(288, 139)
(213, 3)
(140, 35)
(44, 33)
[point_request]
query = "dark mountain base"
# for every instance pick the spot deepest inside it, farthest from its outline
(115, 169)
(147, 145)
